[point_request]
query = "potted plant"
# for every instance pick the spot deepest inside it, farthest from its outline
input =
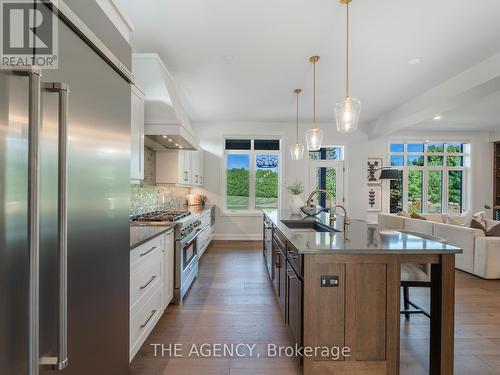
(296, 201)
(204, 199)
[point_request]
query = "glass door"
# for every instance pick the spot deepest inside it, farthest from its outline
(327, 175)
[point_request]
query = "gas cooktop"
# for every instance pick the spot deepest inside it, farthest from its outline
(157, 216)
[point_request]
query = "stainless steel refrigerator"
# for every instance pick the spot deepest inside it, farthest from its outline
(64, 208)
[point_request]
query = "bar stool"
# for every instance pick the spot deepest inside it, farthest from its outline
(416, 276)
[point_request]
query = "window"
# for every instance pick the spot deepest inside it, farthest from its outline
(328, 153)
(433, 178)
(326, 172)
(251, 175)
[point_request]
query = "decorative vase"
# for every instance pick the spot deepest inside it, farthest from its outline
(296, 202)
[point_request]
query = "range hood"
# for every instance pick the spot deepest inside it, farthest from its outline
(166, 125)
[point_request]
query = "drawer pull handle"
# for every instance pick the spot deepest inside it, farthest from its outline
(147, 252)
(147, 321)
(149, 282)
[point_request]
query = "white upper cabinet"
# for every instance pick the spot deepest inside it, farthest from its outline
(173, 167)
(118, 17)
(179, 167)
(197, 168)
(136, 134)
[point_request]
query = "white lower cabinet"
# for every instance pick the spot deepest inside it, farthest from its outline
(151, 287)
(169, 262)
(206, 235)
(143, 320)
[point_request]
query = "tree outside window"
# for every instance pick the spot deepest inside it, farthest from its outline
(432, 179)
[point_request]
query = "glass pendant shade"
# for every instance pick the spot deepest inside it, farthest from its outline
(314, 139)
(297, 151)
(347, 115)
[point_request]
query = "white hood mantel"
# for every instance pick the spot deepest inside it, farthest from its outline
(164, 115)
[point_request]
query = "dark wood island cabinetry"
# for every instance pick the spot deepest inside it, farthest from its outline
(342, 292)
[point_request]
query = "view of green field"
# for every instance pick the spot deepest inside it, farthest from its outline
(238, 184)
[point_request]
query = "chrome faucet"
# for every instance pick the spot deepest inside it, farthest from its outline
(347, 219)
(333, 206)
(331, 198)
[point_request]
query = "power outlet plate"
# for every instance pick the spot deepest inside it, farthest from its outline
(329, 281)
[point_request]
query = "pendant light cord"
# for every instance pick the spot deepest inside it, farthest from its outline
(314, 94)
(347, 53)
(297, 134)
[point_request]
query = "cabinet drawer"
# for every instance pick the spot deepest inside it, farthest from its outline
(280, 239)
(141, 254)
(205, 219)
(143, 321)
(146, 278)
(295, 259)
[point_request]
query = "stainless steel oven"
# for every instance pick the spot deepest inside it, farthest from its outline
(186, 258)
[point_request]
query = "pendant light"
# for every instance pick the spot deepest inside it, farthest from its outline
(347, 112)
(297, 150)
(314, 136)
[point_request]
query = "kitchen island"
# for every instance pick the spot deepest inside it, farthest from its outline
(342, 290)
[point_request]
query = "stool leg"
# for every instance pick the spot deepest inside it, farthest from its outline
(406, 298)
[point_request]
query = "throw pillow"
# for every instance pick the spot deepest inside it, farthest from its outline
(494, 231)
(476, 224)
(414, 215)
(480, 216)
(463, 220)
(403, 214)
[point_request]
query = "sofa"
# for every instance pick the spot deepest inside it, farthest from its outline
(481, 254)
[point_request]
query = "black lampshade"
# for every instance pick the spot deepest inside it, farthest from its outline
(390, 174)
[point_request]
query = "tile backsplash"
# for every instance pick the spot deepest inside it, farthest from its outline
(147, 196)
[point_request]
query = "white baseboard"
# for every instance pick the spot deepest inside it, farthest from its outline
(238, 237)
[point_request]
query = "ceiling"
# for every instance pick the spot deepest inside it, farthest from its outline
(240, 60)
(480, 115)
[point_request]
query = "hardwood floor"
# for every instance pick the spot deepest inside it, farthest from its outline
(232, 302)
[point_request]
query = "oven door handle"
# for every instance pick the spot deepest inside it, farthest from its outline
(188, 241)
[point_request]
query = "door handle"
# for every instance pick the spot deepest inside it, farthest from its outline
(291, 274)
(61, 361)
(34, 93)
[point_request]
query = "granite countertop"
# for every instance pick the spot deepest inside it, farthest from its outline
(141, 232)
(198, 210)
(362, 238)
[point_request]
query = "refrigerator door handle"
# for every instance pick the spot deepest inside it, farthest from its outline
(61, 361)
(34, 75)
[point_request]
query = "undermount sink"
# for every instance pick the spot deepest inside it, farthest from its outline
(308, 226)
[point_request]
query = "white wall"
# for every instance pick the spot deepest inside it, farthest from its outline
(495, 136)
(357, 149)
(211, 140)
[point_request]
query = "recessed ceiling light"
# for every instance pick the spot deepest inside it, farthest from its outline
(164, 136)
(170, 140)
(437, 118)
(180, 146)
(415, 61)
(228, 57)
